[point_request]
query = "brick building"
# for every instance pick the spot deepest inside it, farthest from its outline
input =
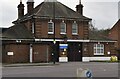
(50, 31)
(115, 35)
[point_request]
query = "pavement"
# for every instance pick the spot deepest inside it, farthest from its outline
(29, 64)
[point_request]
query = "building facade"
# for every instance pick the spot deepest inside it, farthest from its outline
(52, 32)
(115, 35)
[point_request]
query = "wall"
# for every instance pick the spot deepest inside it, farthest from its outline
(88, 55)
(115, 34)
(20, 53)
(41, 29)
(41, 53)
(108, 47)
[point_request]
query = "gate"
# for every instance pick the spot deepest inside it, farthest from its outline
(74, 51)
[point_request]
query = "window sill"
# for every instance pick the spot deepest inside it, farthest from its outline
(63, 33)
(74, 34)
(50, 33)
(98, 54)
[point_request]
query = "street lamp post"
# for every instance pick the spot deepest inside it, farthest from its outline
(54, 41)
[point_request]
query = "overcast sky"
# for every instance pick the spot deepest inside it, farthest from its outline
(104, 13)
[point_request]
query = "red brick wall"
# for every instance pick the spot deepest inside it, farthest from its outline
(115, 34)
(40, 53)
(108, 47)
(119, 35)
(41, 29)
(21, 53)
(86, 51)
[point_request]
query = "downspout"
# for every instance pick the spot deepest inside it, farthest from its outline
(31, 53)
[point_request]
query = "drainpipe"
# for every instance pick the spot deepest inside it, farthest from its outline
(31, 53)
(47, 57)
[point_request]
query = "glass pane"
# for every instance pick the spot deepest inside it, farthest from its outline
(99, 48)
(63, 27)
(74, 28)
(50, 27)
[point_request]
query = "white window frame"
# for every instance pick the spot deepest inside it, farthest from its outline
(52, 27)
(100, 48)
(75, 27)
(64, 27)
(33, 28)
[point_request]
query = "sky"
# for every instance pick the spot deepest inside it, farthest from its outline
(104, 13)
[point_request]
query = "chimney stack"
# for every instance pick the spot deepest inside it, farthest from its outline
(30, 6)
(79, 8)
(20, 9)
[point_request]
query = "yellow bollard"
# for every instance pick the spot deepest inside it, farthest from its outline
(114, 58)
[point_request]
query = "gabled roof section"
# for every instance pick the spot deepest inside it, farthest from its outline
(115, 25)
(18, 31)
(47, 9)
(61, 11)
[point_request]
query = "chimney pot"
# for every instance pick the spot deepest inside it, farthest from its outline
(30, 6)
(20, 9)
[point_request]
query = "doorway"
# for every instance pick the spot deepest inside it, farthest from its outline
(74, 51)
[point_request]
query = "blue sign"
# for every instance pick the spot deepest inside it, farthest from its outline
(63, 46)
(88, 74)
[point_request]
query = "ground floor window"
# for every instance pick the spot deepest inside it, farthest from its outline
(98, 49)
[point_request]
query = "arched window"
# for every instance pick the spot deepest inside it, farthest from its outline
(63, 28)
(74, 28)
(50, 27)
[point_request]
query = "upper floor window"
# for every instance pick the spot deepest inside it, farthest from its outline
(50, 27)
(33, 27)
(74, 28)
(98, 49)
(62, 28)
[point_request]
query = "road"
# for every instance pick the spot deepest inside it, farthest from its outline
(98, 69)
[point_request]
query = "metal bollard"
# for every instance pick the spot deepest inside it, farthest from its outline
(84, 74)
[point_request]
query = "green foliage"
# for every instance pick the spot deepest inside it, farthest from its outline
(100, 34)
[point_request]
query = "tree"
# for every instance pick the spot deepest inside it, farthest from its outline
(95, 33)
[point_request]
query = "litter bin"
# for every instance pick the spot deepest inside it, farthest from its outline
(84, 74)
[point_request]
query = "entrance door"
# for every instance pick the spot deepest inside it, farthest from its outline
(75, 51)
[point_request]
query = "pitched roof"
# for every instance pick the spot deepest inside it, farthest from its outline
(116, 24)
(93, 35)
(18, 31)
(61, 11)
(47, 9)
(2, 29)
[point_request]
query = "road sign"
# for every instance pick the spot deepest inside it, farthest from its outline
(88, 74)
(85, 73)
